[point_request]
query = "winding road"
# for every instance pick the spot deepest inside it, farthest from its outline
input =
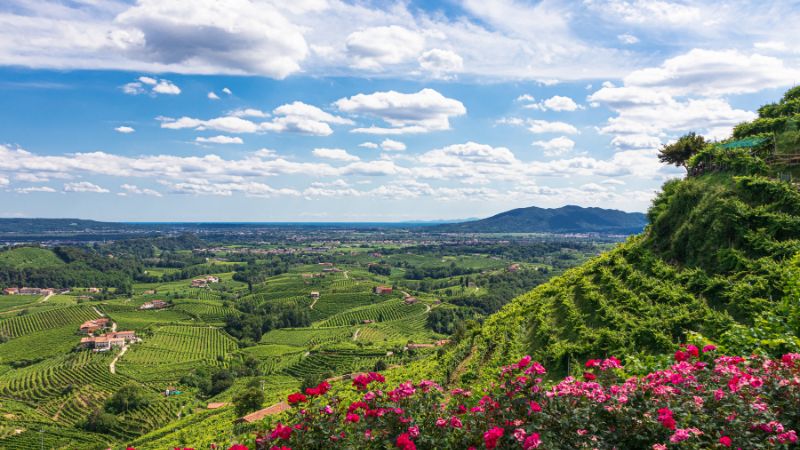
(113, 366)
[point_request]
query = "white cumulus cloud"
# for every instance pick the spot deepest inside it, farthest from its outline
(84, 186)
(555, 103)
(136, 190)
(392, 145)
(441, 63)
(375, 47)
(556, 146)
(336, 154)
(145, 85)
(220, 139)
(419, 112)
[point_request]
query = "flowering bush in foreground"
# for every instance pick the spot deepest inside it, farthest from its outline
(702, 401)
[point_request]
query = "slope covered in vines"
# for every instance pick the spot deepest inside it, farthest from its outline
(718, 257)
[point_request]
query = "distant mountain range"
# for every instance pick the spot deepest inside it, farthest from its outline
(567, 219)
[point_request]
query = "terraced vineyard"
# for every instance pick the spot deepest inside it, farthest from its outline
(206, 311)
(173, 350)
(343, 361)
(381, 312)
(21, 325)
(306, 337)
(331, 304)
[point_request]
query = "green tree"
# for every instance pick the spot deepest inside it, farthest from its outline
(128, 397)
(100, 421)
(248, 400)
(679, 152)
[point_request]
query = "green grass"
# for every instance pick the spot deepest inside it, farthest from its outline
(14, 302)
(29, 258)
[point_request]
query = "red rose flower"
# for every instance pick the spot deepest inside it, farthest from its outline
(296, 398)
(491, 437)
(404, 442)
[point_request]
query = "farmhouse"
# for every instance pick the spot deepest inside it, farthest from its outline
(33, 291)
(155, 304)
(90, 326)
(382, 290)
(11, 291)
(513, 268)
(212, 279)
(199, 282)
(129, 336)
(107, 341)
(149, 292)
(410, 300)
(326, 264)
(93, 290)
(314, 295)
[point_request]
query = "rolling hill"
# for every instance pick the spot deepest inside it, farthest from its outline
(29, 257)
(567, 219)
(720, 264)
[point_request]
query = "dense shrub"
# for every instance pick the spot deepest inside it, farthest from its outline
(701, 401)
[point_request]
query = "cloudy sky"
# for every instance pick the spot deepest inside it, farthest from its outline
(320, 110)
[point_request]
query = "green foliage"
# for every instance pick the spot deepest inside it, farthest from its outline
(774, 117)
(100, 421)
(732, 161)
(28, 266)
(679, 152)
(712, 261)
(29, 258)
(723, 224)
(248, 400)
(127, 398)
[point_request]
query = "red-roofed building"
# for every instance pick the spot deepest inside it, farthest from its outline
(107, 341)
(382, 290)
(155, 304)
(90, 326)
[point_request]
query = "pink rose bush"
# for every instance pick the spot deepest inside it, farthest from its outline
(701, 401)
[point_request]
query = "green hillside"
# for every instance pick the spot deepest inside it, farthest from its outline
(717, 262)
(718, 258)
(567, 219)
(29, 257)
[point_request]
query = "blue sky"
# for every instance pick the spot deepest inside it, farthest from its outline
(259, 110)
